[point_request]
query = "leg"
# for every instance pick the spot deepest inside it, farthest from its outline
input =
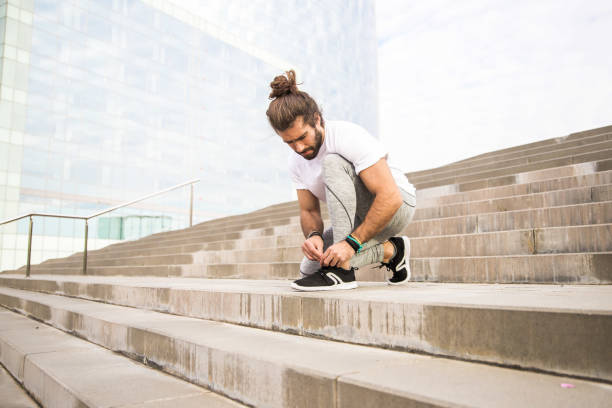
(308, 267)
(348, 201)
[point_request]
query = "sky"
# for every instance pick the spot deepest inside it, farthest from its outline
(461, 78)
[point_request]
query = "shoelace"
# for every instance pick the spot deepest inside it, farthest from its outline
(385, 265)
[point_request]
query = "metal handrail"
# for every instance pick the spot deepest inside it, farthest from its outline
(190, 183)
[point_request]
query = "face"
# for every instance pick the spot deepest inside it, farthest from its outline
(304, 139)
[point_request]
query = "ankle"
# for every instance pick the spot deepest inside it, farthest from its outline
(388, 251)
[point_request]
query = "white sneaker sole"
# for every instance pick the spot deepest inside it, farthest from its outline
(407, 260)
(341, 286)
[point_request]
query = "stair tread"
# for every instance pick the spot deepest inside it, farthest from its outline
(356, 370)
(12, 391)
(85, 372)
(565, 297)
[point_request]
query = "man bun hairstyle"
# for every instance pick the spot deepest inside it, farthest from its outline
(288, 102)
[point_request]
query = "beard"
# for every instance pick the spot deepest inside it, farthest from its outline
(313, 151)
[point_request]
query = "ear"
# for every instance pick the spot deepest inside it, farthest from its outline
(317, 119)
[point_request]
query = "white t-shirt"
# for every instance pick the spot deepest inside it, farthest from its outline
(350, 141)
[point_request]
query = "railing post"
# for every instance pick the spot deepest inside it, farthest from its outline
(29, 248)
(191, 206)
(85, 250)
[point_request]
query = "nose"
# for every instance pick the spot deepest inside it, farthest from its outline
(300, 147)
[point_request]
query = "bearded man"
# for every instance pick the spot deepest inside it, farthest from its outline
(369, 202)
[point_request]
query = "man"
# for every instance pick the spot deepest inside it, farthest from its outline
(342, 164)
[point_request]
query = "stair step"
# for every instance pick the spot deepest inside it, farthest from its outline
(553, 145)
(535, 187)
(60, 370)
(123, 259)
(265, 368)
(252, 220)
(554, 198)
(572, 196)
(548, 181)
(584, 268)
(501, 163)
(287, 236)
(598, 193)
(188, 237)
(441, 319)
(511, 171)
(583, 214)
(572, 215)
(198, 234)
(208, 228)
(128, 253)
(13, 392)
(581, 238)
(212, 242)
(580, 268)
(554, 172)
(419, 228)
(252, 270)
(546, 199)
(155, 270)
(569, 239)
(534, 145)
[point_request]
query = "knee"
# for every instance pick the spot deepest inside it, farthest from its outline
(405, 214)
(334, 162)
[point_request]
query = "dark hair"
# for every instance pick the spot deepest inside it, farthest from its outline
(289, 103)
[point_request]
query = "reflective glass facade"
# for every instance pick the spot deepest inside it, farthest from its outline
(105, 101)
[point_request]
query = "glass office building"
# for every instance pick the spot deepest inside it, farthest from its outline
(103, 101)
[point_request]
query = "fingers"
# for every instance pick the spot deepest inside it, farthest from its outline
(308, 253)
(329, 259)
(333, 256)
(317, 244)
(311, 251)
(337, 254)
(324, 257)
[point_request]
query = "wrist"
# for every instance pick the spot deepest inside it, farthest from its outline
(354, 243)
(345, 242)
(314, 233)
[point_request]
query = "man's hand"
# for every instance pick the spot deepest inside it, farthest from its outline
(337, 254)
(313, 248)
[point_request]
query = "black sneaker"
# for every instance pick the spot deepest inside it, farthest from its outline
(327, 278)
(399, 264)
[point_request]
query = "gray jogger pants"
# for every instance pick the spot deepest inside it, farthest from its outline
(348, 202)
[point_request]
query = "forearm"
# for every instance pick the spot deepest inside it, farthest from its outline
(380, 213)
(311, 221)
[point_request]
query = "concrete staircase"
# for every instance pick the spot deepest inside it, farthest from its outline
(206, 313)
